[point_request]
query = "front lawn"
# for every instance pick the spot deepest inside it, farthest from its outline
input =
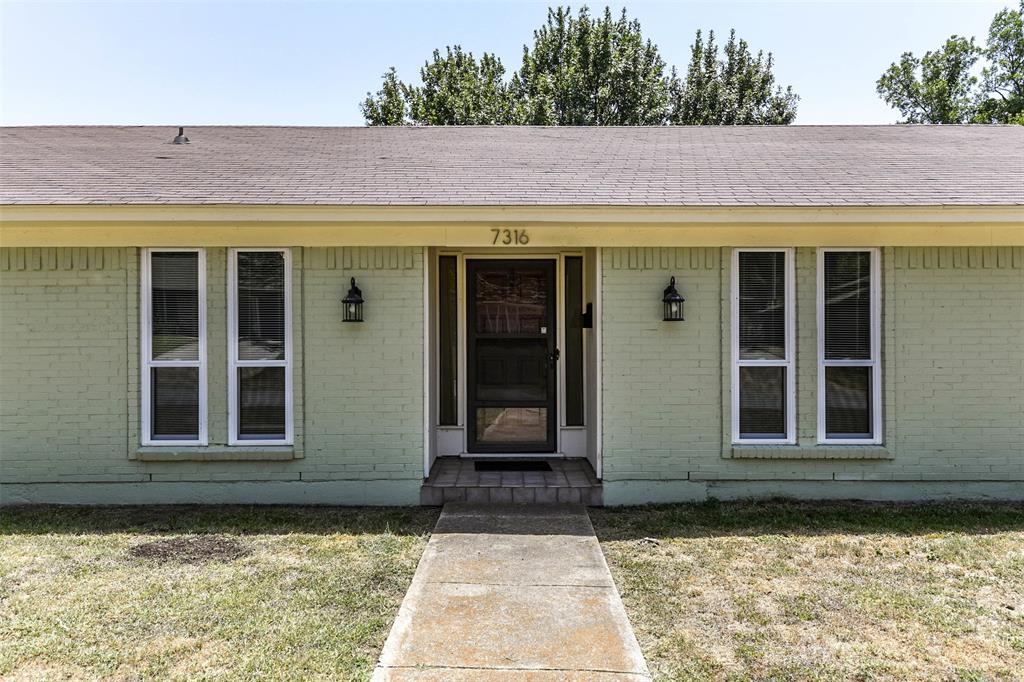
(202, 592)
(825, 591)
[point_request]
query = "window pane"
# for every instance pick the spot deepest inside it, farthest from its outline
(174, 281)
(175, 403)
(511, 424)
(511, 369)
(261, 305)
(762, 313)
(574, 341)
(847, 305)
(848, 402)
(511, 301)
(448, 340)
(261, 402)
(762, 402)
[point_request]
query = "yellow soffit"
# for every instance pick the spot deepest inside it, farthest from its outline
(509, 227)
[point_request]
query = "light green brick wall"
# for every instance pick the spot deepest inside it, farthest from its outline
(64, 344)
(69, 345)
(953, 373)
(953, 364)
(661, 380)
(364, 382)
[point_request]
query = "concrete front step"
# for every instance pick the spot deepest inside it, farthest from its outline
(437, 495)
(566, 480)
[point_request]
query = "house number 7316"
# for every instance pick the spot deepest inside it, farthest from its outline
(509, 237)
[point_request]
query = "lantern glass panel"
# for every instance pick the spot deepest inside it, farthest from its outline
(353, 312)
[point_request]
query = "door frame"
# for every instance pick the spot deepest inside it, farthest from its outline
(552, 268)
(452, 439)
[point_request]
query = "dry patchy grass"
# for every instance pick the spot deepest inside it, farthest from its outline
(824, 591)
(265, 592)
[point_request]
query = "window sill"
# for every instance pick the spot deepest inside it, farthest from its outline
(217, 453)
(809, 452)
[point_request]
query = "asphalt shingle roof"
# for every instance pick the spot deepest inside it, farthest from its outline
(516, 166)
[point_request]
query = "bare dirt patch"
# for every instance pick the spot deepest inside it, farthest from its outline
(196, 549)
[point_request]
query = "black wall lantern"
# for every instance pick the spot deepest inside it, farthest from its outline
(673, 303)
(352, 304)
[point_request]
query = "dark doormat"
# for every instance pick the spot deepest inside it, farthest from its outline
(511, 465)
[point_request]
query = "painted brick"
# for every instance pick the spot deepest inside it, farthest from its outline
(69, 340)
(64, 366)
(953, 365)
(953, 370)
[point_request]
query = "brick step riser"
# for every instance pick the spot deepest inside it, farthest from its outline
(433, 496)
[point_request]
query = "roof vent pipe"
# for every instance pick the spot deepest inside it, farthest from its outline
(180, 139)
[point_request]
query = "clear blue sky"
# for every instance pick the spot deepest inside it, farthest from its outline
(310, 63)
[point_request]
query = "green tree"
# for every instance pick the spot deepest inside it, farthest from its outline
(456, 90)
(941, 86)
(388, 107)
(583, 70)
(938, 88)
(737, 90)
(1002, 81)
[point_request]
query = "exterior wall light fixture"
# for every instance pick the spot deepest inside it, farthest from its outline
(673, 303)
(352, 304)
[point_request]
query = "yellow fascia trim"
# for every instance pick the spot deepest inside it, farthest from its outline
(472, 226)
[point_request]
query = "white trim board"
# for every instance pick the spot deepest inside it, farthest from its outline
(234, 364)
(450, 440)
(789, 362)
(874, 362)
(146, 362)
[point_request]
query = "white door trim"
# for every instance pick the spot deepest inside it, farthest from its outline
(458, 441)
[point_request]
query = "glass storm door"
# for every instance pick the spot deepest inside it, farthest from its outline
(512, 359)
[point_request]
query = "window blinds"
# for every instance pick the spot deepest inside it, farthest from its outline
(847, 280)
(848, 355)
(174, 348)
(762, 376)
(175, 403)
(261, 305)
(260, 362)
(174, 279)
(762, 318)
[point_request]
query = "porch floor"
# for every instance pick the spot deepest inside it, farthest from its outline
(455, 479)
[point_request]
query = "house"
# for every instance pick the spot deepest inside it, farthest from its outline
(605, 315)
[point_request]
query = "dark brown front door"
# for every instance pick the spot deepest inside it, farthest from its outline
(512, 358)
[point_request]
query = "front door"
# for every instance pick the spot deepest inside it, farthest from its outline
(512, 358)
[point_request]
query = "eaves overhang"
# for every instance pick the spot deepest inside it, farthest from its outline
(471, 226)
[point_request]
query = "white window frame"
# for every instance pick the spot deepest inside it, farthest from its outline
(147, 362)
(876, 348)
(788, 362)
(234, 364)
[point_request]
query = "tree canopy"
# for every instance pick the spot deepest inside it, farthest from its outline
(737, 90)
(584, 70)
(941, 86)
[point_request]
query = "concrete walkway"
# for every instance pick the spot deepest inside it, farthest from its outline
(512, 593)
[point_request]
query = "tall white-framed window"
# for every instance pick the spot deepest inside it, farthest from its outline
(849, 345)
(260, 347)
(763, 381)
(173, 347)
